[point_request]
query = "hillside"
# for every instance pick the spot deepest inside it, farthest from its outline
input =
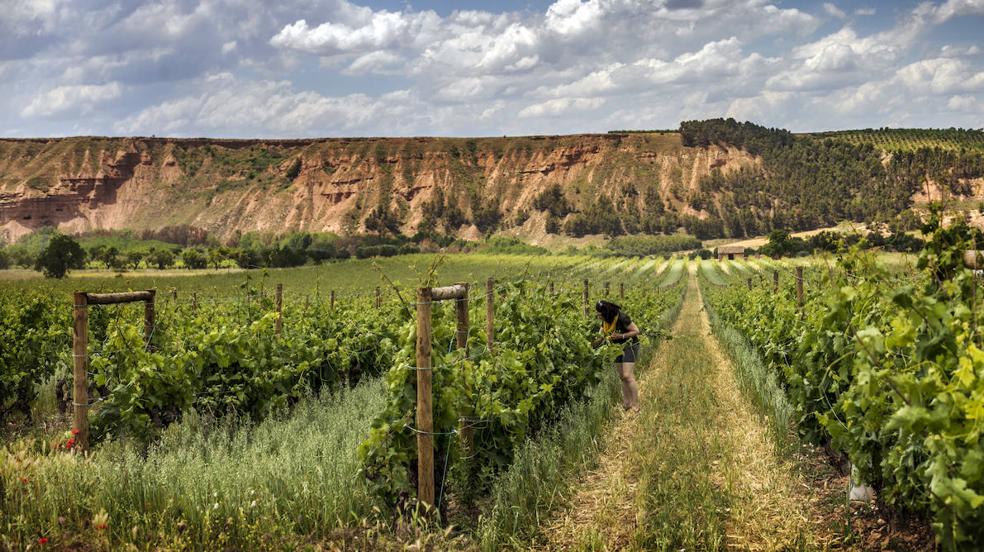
(342, 185)
(716, 179)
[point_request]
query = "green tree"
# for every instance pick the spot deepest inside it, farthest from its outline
(133, 259)
(4, 260)
(161, 258)
(60, 255)
(194, 258)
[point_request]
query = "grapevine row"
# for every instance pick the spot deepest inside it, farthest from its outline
(888, 369)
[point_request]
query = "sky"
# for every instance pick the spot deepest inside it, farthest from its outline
(310, 68)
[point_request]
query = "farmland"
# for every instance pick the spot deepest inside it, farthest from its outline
(222, 430)
(222, 422)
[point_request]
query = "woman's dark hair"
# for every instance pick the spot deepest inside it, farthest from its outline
(608, 310)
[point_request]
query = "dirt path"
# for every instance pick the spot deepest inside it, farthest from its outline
(695, 469)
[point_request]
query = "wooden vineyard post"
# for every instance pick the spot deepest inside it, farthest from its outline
(80, 390)
(425, 421)
(461, 312)
(550, 287)
(149, 319)
(194, 301)
(775, 280)
(621, 290)
(425, 406)
(80, 341)
(608, 289)
(587, 311)
(490, 311)
(749, 283)
(799, 287)
(280, 309)
(174, 295)
(331, 300)
(379, 298)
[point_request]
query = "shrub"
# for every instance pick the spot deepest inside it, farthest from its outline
(61, 254)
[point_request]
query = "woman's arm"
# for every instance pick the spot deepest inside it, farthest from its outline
(633, 331)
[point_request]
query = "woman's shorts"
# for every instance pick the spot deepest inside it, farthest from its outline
(629, 353)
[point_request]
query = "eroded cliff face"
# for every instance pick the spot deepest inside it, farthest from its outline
(233, 186)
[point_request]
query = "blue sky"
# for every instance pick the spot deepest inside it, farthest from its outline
(249, 68)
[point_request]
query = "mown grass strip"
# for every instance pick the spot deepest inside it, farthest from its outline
(545, 471)
(758, 383)
(682, 507)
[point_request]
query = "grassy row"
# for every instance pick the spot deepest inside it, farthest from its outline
(544, 470)
(757, 382)
(222, 482)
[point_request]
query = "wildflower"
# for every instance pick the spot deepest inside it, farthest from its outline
(75, 431)
(70, 443)
(24, 481)
(43, 541)
(101, 521)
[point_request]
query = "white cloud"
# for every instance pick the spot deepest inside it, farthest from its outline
(941, 76)
(958, 51)
(954, 8)
(964, 103)
(561, 106)
(833, 10)
(65, 98)
(313, 67)
(382, 30)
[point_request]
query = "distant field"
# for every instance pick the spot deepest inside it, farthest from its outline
(345, 277)
(908, 139)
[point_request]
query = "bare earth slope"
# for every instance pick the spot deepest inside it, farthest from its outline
(230, 186)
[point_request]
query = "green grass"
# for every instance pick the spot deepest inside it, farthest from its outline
(683, 508)
(227, 484)
(354, 275)
(757, 382)
(125, 243)
(712, 271)
(673, 273)
(546, 469)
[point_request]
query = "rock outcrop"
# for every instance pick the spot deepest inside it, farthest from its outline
(235, 186)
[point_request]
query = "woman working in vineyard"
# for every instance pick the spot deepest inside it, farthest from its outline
(617, 327)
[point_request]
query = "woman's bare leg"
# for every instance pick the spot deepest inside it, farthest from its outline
(630, 389)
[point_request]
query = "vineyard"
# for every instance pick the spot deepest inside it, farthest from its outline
(248, 421)
(271, 416)
(882, 367)
(911, 139)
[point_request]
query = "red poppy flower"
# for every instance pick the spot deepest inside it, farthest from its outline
(43, 540)
(75, 431)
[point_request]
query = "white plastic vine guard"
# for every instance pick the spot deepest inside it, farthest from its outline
(859, 492)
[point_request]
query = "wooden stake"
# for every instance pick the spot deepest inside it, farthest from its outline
(149, 319)
(174, 295)
(331, 300)
(749, 283)
(379, 298)
(621, 290)
(280, 309)
(550, 287)
(799, 287)
(587, 309)
(194, 301)
(80, 391)
(461, 310)
(608, 289)
(775, 280)
(425, 421)
(490, 311)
